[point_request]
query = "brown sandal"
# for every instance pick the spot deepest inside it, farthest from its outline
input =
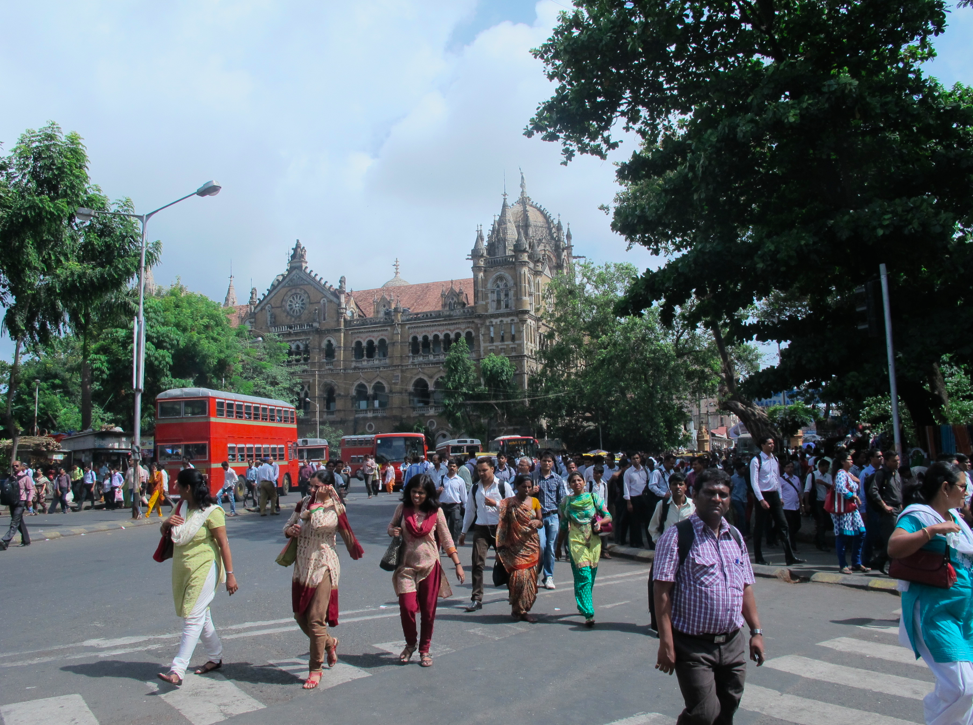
(406, 655)
(208, 667)
(332, 652)
(310, 683)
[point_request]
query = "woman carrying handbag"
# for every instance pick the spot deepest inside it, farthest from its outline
(419, 580)
(932, 553)
(842, 502)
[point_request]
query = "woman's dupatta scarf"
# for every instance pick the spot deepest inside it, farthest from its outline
(415, 529)
(518, 543)
(581, 509)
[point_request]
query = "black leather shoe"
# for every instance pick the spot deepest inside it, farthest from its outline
(475, 606)
(795, 560)
(762, 562)
(3, 545)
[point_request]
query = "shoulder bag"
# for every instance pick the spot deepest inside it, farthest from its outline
(288, 555)
(164, 550)
(392, 559)
(925, 567)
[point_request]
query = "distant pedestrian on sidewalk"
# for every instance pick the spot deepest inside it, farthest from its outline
(849, 529)
(154, 490)
(314, 585)
(420, 581)
(885, 493)
(88, 483)
(765, 481)
(230, 479)
(703, 598)
(41, 483)
(266, 484)
(452, 497)
(59, 491)
(17, 522)
(935, 621)
(201, 561)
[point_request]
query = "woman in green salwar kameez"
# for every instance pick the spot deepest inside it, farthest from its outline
(581, 515)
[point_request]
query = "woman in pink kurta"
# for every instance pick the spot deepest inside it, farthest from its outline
(419, 580)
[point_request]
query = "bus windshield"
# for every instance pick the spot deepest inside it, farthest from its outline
(312, 454)
(396, 449)
(515, 448)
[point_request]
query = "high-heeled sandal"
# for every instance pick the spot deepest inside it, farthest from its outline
(406, 654)
(332, 653)
(425, 660)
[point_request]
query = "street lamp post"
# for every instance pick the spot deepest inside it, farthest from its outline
(37, 387)
(210, 188)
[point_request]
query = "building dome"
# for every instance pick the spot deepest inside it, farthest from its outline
(396, 281)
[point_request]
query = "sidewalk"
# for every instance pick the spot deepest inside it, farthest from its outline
(821, 567)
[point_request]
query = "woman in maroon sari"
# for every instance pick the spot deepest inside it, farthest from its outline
(419, 581)
(314, 587)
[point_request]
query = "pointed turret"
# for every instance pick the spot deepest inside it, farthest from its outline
(521, 243)
(230, 300)
(478, 248)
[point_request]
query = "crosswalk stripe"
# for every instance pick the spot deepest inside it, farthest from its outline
(337, 675)
(210, 699)
(802, 711)
(501, 631)
(890, 652)
(395, 648)
(883, 630)
(851, 677)
(61, 710)
(645, 718)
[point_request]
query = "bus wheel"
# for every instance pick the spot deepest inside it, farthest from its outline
(287, 483)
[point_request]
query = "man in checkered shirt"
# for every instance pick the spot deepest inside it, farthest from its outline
(703, 604)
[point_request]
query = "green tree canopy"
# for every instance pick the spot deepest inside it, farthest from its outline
(783, 146)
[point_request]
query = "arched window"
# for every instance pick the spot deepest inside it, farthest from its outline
(420, 393)
(447, 342)
(469, 339)
(383, 348)
(380, 397)
(329, 350)
(370, 349)
(359, 351)
(361, 396)
(307, 352)
(425, 345)
(501, 332)
(414, 347)
(330, 398)
(439, 390)
(501, 294)
(437, 345)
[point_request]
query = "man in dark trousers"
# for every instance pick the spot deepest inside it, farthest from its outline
(885, 504)
(703, 598)
(765, 481)
(26, 490)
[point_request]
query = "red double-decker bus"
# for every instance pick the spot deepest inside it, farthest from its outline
(207, 427)
(396, 448)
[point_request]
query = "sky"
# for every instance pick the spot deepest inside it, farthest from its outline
(372, 130)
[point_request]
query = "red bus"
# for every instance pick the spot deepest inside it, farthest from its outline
(207, 427)
(392, 447)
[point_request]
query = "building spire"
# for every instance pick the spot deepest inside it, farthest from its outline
(230, 300)
(523, 185)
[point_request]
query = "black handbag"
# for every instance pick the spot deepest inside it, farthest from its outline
(501, 577)
(392, 559)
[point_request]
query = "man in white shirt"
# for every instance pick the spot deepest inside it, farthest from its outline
(634, 486)
(278, 485)
(818, 482)
(765, 481)
(452, 497)
(670, 511)
(230, 479)
(790, 494)
(438, 470)
(267, 488)
(87, 487)
(483, 515)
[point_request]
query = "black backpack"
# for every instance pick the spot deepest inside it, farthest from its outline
(685, 536)
(10, 492)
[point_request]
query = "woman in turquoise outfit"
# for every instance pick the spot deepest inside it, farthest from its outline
(581, 515)
(937, 623)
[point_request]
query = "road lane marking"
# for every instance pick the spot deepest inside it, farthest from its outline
(616, 604)
(851, 677)
(803, 711)
(883, 630)
(645, 718)
(892, 653)
(62, 710)
(499, 631)
(208, 700)
(337, 675)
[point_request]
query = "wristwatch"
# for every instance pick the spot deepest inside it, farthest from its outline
(755, 632)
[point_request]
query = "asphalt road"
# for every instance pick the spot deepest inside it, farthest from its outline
(89, 621)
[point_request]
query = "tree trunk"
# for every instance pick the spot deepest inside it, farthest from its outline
(918, 401)
(937, 388)
(11, 394)
(754, 418)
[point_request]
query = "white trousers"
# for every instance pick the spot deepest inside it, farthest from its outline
(951, 703)
(198, 626)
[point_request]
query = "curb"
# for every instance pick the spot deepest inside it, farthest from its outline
(791, 576)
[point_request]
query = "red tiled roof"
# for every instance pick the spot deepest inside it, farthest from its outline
(424, 297)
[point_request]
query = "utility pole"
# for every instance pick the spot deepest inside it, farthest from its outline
(893, 388)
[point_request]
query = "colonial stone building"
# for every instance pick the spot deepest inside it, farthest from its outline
(374, 357)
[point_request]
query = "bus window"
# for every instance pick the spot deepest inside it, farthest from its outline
(249, 453)
(231, 453)
(195, 451)
(273, 453)
(230, 413)
(194, 407)
(279, 415)
(170, 453)
(263, 412)
(239, 411)
(170, 410)
(220, 412)
(266, 452)
(280, 453)
(249, 411)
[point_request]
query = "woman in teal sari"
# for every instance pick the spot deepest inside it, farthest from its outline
(582, 515)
